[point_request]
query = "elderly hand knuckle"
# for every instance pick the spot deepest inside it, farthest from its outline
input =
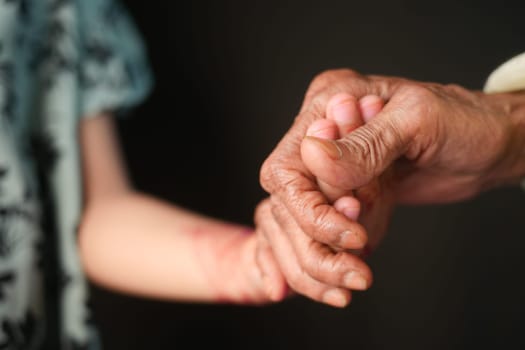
(309, 264)
(329, 77)
(419, 93)
(327, 263)
(321, 223)
(456, 88)
(344, 262)
(274, 176)
(317, 84)
(311, 259)
(267, 174)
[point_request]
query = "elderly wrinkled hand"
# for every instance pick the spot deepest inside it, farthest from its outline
(430, 143)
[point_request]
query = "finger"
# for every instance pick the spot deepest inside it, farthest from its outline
(296, 277)
(326, 129)
(337, 268)
(328, 83)
(310, 208)
(283, 173)
(362, 155)
(370, 106)
(348, 114)
(275, 285)
(349, 206)
(344, 110)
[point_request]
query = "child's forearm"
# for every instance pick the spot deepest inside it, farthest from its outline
(140, 245)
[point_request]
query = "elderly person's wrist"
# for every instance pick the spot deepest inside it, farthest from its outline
(507, 78)
(510, 168)
(518, 135)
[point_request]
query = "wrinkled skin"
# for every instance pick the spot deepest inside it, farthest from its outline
(430, 143)
(371, 203)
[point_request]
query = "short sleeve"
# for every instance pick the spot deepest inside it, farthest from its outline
(114, 72)
(509, 76)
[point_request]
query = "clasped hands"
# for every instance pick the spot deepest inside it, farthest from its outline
(359, 146)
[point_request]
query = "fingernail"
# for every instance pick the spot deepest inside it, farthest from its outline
(370, 106)
(319, 133)
(323, 129)
(349, 206)
(335, 297)
(329, 146)
(350, 239)
(354, 280)
(345, 112)
(351, 212)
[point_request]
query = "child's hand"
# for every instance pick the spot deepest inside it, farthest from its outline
(240, 266)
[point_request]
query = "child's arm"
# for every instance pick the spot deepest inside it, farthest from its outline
(137, 244)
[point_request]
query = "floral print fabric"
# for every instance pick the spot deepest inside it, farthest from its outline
(60, 60)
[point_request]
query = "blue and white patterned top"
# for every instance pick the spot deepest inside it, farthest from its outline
(60, 60)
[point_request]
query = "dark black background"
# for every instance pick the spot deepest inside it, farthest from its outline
(230, 76)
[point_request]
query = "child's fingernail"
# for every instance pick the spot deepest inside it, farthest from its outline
(351, 212)
(370, 106)
(323, 129)
(349, 206)
(345, 111)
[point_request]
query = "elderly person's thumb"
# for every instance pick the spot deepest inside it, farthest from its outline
(357, 158)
